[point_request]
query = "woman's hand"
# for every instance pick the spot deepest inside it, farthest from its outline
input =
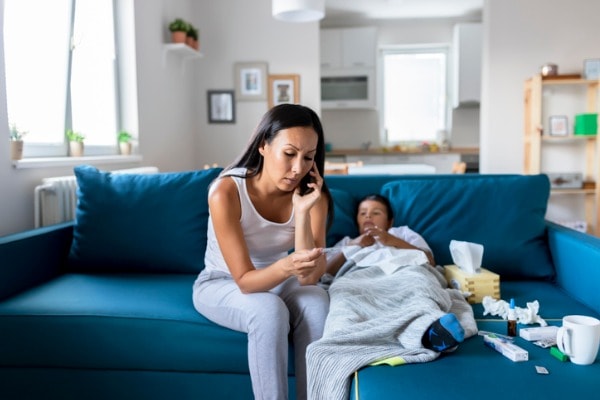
(306, 202)
(303, 263)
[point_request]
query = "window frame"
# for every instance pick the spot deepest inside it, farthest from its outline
(384, 50)
(44, 154)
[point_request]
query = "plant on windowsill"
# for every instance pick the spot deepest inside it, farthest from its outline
(179, 29)
(16, 142)
(124, 138)
(75, 143)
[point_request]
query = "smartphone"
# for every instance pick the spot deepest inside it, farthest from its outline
(308, 178)
(304, 189)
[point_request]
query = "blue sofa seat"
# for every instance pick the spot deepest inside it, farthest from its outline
(101, 308)
(147, 319)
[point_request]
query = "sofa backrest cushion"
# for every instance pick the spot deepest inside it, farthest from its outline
(140, 222)
(344, 223)
(503, 213)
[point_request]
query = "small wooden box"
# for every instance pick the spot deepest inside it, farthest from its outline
(484, 283)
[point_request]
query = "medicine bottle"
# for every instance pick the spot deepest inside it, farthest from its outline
(511, 324)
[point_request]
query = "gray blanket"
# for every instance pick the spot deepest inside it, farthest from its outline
(375, 316)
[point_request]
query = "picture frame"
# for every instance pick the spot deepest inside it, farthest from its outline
(250, 81)
(558, 125)
(591, 68)
(283, 89)
(221, 106)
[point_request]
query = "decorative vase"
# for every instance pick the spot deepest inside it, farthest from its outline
(125, 148)
(178, 36)
(16, 149)
(76, 149)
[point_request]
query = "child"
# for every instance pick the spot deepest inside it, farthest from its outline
(375, 220)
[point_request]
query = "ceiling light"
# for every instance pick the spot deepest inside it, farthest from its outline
(298, 10)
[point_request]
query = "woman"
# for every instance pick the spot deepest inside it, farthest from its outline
(270, 200)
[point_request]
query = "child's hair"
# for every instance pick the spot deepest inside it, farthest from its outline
(380, 199)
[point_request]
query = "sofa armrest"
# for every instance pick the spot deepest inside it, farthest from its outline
(576, 257)
(32, 257)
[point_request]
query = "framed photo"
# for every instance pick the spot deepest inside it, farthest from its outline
(221, 107)
(251, 81)
(284, 89)
(591, 69)
(559, 125)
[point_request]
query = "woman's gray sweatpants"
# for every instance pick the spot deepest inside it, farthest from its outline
(267, 318)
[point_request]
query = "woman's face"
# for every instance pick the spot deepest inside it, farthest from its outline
(372, 213)
(289, 156)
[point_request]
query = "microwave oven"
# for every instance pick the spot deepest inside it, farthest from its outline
(348, 89)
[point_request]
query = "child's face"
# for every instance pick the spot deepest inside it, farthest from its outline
(372, 213)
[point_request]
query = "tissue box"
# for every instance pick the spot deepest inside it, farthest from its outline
(484, 283)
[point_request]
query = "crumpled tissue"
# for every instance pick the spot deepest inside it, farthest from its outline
(467, 255)
(527, 315)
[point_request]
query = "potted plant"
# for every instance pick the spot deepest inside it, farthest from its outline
(75, 143)
(16, 142)
(192, 37)
(124, 138)
(179, 29)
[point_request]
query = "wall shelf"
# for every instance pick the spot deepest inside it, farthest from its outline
(182, 51)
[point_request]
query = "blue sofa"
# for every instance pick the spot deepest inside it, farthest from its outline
(102, 308)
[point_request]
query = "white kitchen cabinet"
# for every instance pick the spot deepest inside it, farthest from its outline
(331, 49)
(347, 48)
(467, 43)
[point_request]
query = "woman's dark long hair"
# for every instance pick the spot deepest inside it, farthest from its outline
(281, 117)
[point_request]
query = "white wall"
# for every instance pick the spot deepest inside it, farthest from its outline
(519, 37)
(234, 31)
(173, 130)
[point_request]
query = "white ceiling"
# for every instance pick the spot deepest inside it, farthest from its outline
(400, 9)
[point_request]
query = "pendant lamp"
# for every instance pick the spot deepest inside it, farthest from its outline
(298, 10)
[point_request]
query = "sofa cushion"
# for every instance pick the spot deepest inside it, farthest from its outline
(344, 224)
(117, 322)
(504, 213)
(140, 222)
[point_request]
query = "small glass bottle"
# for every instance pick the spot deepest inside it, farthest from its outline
(511, 324)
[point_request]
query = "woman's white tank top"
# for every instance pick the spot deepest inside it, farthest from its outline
(267, 241)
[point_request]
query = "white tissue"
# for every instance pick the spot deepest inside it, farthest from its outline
(527, 315)
(466, 255)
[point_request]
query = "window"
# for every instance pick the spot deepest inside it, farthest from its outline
(62, 72)
(415, 98)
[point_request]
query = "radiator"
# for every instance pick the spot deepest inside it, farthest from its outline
(55, 199)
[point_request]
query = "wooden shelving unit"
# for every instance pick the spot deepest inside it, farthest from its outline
(538, 91)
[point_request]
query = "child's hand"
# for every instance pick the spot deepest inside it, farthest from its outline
(381, 235)
(363, 240)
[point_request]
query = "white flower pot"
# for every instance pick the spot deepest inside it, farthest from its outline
(16, 149)
(125, 148)
(76, 149)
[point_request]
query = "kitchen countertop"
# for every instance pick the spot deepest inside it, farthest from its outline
(383, 151)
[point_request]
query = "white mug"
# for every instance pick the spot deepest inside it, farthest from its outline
(579, 338)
